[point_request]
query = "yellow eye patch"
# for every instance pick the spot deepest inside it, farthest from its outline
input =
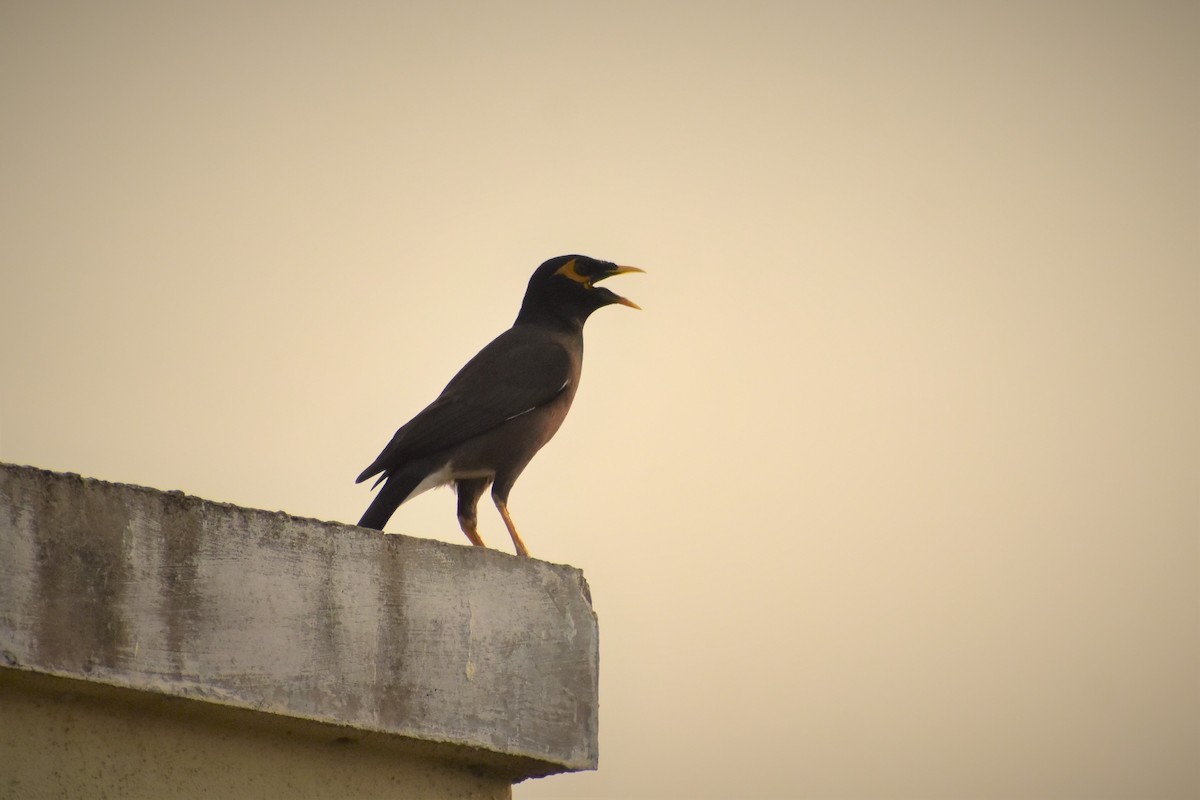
(568, 270)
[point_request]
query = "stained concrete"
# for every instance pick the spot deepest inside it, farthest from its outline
(63, 738)
(466, 655)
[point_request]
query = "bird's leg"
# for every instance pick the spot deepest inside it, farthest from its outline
(468, 527)
(502, 505)
(469, 492)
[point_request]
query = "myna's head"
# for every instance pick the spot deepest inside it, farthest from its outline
(565, 288)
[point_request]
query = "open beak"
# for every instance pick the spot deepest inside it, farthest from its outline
(622, 271)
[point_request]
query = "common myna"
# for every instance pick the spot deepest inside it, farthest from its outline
(507, 402)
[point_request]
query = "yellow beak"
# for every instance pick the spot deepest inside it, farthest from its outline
(622, 271)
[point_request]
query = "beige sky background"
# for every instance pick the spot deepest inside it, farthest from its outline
(893, 489)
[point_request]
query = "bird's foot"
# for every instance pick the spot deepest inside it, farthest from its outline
(469, 528)
(522, 550)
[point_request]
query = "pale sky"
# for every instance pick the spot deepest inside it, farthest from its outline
(893, 488)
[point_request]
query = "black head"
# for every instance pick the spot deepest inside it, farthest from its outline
(564, 289)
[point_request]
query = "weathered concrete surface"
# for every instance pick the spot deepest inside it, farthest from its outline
(473, 654)
(63, 738)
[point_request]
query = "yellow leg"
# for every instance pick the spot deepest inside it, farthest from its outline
(512, 529)
(469, 491)
(468, 527)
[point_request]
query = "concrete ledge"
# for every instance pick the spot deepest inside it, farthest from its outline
(453, 652)
(66, 738)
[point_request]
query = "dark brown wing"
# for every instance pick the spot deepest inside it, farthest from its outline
(521, 369)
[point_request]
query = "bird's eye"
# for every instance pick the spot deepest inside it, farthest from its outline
(577, 272)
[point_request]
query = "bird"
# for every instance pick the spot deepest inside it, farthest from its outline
(502, 406)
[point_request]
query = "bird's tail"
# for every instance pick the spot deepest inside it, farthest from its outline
(394, 492)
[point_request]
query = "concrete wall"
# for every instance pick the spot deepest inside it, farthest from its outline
(62, 738)
(145, 628)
